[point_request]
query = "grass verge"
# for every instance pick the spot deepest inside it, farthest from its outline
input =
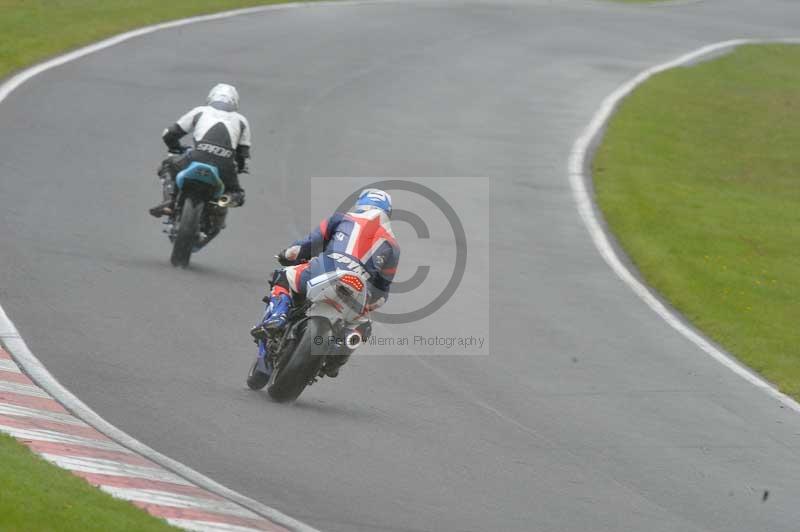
(37, 496)
(698, 176)
(32, 30)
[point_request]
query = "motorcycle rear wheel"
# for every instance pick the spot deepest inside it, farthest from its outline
(300, 366)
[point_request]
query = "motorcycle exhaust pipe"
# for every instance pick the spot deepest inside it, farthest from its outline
(223, 201)
(353, 340)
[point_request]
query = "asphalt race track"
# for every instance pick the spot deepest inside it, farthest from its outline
(590, 413)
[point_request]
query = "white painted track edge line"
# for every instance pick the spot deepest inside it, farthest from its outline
(580, 174)
(207, 526)
(9, 85)
(578, 159)
(19, 350)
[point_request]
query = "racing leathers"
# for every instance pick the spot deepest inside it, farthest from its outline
(364, 235)
(221, 139)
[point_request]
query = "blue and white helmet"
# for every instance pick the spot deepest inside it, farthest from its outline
(224, 97)
(374, 198)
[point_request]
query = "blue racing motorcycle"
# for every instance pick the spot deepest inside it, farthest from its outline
(200, 211)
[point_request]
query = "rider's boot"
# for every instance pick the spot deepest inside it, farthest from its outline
(276, 315)
(162, 209)
(167, 205)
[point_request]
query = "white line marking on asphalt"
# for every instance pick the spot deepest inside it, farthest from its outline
(60, 437)
(23, 389)
(578, 159)
(165, 498)
(15, 81)
(23, 411)
(16, 345)
(205, 526)
(100, 466)
(578, 174)
(9, 365)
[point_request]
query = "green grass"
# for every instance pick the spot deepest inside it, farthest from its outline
(32, 30)
(37, 496)
(699, 177)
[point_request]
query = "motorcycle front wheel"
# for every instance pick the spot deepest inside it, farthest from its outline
(255, 379)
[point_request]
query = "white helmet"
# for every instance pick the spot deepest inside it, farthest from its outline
(225, 96)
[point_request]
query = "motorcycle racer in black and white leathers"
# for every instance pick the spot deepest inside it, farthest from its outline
(221, 138)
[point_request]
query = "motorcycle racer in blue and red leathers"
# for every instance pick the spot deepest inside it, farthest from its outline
(364, 233)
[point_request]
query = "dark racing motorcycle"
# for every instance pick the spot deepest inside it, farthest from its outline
(321, 332)
(200, 211)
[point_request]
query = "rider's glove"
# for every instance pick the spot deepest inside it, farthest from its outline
(243, 166)
(288, 257)
(180, 149)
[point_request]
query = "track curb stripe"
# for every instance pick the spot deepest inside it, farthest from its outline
(165, 498)
(35, 403)
(17, 377)
(97, 479)
(21, 411)
(18, 398)
(23, 389)
(205, 526)
(60, 400)
(31, 415)
(170, 512)
(66, 449)
(6, 364)
(54, 426)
